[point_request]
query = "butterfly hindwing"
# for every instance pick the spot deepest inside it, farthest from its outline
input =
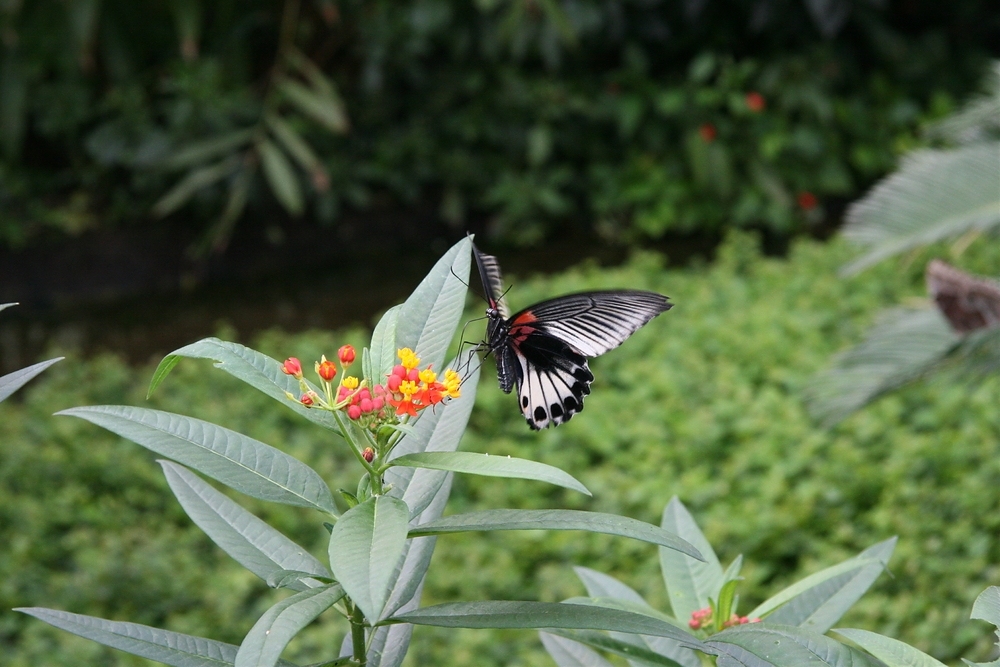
(552, 380)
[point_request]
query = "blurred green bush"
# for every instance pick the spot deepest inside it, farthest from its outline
(634, 118)
(703, 403)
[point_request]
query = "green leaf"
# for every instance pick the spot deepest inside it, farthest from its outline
(724, 605)
(13, 381)
(987, 608)
(892, 652)
(383, 345)
(429, 317)
(270, 635)
(245, 464)
(365, 548)
(765, 645)
(600, 585)
(491, 466)
(902, 346)
(293, 142)
(252, 543)
(292, 578)
(171, 648)
(281, 177)
(569, 653)
(256, 369)
(323, 109)
(201, 151)
(595, 522)
(540, 615)
(818, 601)
(195, 180)
(689, 583)
(636, 653)
(935, 195)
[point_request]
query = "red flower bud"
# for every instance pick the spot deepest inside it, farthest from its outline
(807, 201)
(378, 403)
(399, 371)
(394, 381)
(413, 375)
(292, 366)
(346, 354)
(306, 400)
(707, 132)
(755, 101)
(368, 454)
(366, 405)
(694, 625)
(326, 370)
(364, 393)
(354, 412)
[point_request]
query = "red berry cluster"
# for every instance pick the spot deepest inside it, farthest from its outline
(361, 401)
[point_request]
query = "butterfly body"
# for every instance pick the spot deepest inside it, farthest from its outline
(543, 349)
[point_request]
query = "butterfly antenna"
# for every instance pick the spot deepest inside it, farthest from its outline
(474, 290)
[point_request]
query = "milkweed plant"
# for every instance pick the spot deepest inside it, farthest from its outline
(401, 408)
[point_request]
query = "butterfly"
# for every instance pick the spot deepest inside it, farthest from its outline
(543, 349)
(966, 301)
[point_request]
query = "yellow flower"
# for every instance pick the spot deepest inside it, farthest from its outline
(407, 389)
(408, 358)
(452, 384)
(428, 376)
(350, 382)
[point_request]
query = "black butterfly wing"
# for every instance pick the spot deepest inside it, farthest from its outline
(552, 379)
(551, 340)
(492, 279)
(591, 322)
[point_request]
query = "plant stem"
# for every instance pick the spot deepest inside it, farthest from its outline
(358, 637)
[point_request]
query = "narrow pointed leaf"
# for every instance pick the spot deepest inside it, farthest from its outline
(383, 345)
(600, 585)
(245, 464)
(251, 542)
(595, 522)
(365, 548)
(491, 466)
(765, 645)
(270, 635)
(170, 648)
(570, 653)
(195, 180)
(5, 306)
(892, 652)
(281, 177)
(689, 583)
(540, 615)
(323, 109)
(665, 647)
(818, 601)
(296, 146)
(637, 654)
(201, 151)
(429, 317)
(256, 369)
(13, 381)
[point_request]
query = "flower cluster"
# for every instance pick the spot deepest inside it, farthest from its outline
(407, 389)
(412, 390)
(702, 619)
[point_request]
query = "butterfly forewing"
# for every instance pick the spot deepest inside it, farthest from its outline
(592, 322)
(492, 279)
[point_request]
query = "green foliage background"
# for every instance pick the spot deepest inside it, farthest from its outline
(533, 114)
(701, 403)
